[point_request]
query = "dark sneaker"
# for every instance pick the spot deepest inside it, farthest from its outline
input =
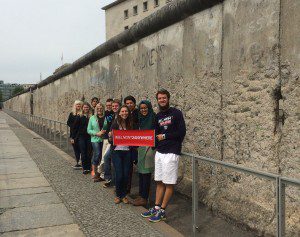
(159, 216)
(107, 184)
(98, 179)
(151, 212)
(86, 171)
(77, 167)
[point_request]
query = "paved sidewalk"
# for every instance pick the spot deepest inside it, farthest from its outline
(88, 203)
(28, 204)
(92, 207)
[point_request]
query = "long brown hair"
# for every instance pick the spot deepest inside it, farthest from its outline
(90, 109)
(128, 121)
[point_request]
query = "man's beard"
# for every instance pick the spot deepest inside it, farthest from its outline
(163, 108)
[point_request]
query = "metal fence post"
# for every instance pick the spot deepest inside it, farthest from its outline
(54, 129)
(35, 123)
(280, 207)
(50, 125)
(60, 135)
(67, 137)
(39, 125)
(46, 127)
(43, 126)
(195, 195)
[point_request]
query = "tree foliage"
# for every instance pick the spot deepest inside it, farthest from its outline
(17, 90)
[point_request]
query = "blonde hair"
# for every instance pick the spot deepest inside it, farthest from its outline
(101, 106)
(74, 111)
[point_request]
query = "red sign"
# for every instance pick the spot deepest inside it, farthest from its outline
(134, 137)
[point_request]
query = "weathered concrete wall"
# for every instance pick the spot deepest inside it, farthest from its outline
(233, 70)
(20, 103)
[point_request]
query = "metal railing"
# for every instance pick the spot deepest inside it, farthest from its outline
(281, 183)
(44, 125)
(52, 129)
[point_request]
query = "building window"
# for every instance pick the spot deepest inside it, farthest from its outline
(126, 27)
(156, 3)
(125, 14)
(135, 10)
(145, 6)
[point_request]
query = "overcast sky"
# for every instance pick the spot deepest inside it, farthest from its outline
(35, 33)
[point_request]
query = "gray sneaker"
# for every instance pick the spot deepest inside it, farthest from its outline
(77, 167)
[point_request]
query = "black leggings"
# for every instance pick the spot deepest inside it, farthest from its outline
(86, 152)
(76, 149)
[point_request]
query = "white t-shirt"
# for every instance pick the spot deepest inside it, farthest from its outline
(122, 148)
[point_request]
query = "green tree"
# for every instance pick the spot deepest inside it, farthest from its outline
(1, 97)
(17, 90)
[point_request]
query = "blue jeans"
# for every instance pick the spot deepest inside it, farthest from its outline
(85, 150)
(134, 158)
(97, 152)
(123, 165)
(107, 164)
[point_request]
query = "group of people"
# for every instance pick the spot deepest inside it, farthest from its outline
(91, 127)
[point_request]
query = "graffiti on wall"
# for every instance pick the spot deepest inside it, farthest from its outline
(150, 57)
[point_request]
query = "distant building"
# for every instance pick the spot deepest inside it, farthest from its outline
(122, 14)
(7, 89)
(26, 86)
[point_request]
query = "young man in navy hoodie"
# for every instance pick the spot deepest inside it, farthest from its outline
(170, 131)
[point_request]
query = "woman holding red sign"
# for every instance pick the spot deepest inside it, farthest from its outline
(122, 156)
(146, 121)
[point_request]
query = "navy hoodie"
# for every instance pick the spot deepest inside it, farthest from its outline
(171, 123)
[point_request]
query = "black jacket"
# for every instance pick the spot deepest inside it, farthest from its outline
(70, 123)
(171, 123)
(80, 127)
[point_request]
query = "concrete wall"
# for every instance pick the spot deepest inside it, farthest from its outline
(20, 103)
(234, 71)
